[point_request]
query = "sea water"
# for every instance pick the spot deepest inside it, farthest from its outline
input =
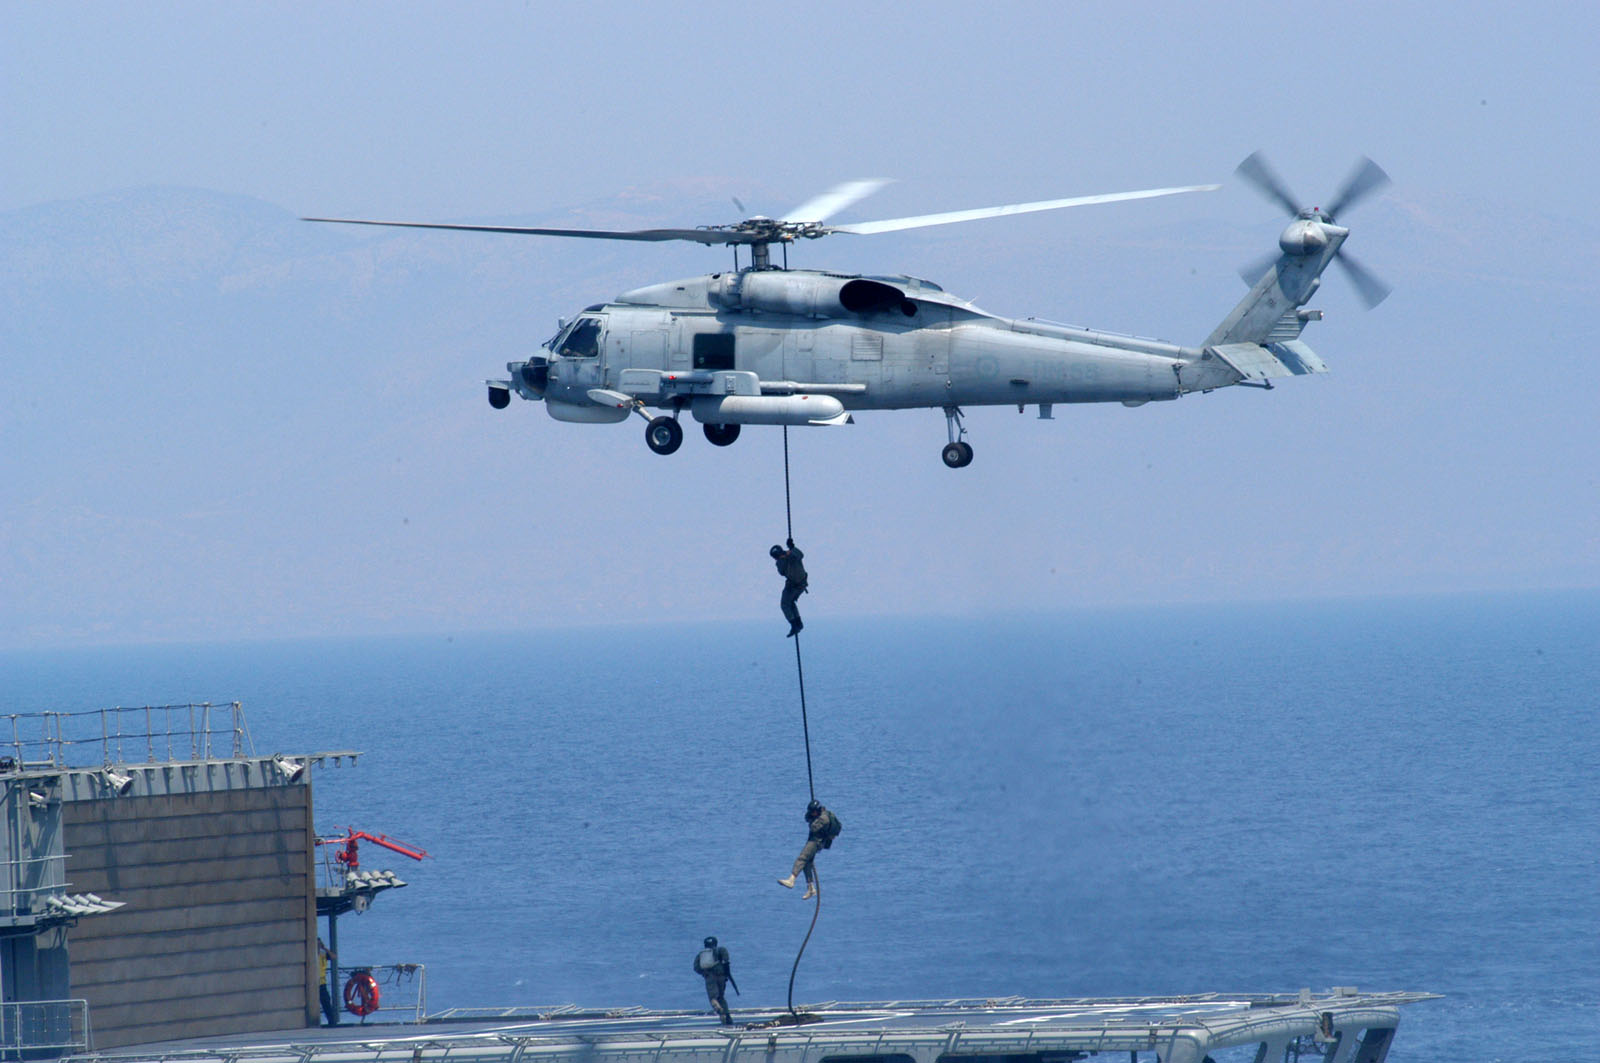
(1392, 794)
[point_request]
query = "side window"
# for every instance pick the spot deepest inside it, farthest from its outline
(713, 351)
(583, 341)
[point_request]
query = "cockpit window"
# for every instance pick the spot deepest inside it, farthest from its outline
(583, 340)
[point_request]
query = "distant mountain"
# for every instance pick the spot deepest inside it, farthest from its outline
(216, 418)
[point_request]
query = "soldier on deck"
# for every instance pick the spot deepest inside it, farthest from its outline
(716, 967)
(824, 827)
(324, 994)
(794, 583)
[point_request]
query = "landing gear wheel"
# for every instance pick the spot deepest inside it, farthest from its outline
(721, 435)
(957, 455)
(663, 435)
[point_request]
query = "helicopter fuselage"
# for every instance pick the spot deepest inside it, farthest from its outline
(767, 345)
(806, 347)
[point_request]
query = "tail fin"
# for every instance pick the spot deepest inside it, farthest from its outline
(1261, 336)
(1271, 310)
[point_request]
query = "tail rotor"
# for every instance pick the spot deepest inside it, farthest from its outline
(1367, 178)
(1266, 180)
(1313, 225)
(1372, 290)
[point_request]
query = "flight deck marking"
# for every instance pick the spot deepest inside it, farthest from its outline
(1112, 1011)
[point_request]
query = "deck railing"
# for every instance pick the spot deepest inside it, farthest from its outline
(402, 993)
(43, 1029)
(148, 734)
(27, 880)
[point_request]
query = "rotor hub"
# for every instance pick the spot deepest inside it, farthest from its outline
(1305, 236)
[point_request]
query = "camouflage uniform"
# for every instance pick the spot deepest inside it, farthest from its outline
(716, 977)
(823, 828)
(794, 582)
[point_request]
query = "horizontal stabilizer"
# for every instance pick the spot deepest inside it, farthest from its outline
(1259, 362)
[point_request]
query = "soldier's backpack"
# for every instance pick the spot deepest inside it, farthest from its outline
(834, 827)
(706, 962)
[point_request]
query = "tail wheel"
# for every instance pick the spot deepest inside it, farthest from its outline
(663, 435)
(499, 398)
(721, 434)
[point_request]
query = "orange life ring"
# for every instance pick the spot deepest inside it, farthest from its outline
(361, 994)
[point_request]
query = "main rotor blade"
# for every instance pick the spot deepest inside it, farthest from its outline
(1364, 180)
(1372, 290)
(699, 236)
(1255, 170)
(831, 202)
(921, 220)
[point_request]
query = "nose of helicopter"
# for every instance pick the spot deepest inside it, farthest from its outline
(534, 375)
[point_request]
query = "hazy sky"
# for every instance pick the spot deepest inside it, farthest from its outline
(427, 109)
(1450, 448)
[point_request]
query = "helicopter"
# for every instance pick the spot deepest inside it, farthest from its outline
(767, 345)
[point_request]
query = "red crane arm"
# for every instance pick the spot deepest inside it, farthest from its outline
(389, 843)
(352, 840)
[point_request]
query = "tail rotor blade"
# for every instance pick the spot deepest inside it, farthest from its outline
(1364, 180)
(1255, 170)
(1372, 290)
(1253, 272)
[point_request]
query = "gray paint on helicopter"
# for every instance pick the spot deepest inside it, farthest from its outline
(768, 345)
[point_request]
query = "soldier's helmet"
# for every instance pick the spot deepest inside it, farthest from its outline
(814, 809)
(776, 551)
(711, 943)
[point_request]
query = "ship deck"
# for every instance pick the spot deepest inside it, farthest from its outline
(1338, 1025)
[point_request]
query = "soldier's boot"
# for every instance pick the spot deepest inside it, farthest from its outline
(794, 629)
(811, 891)
(787, 883)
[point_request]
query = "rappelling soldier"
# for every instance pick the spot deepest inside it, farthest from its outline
(794, 583)
(714, 965)
(824, 827)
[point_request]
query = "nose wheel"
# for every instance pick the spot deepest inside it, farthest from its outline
(957, 453)
(663, 435)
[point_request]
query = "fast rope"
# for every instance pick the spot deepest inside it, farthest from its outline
(788, 513)
(805, 728)
(818, 881)
(799, 666)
